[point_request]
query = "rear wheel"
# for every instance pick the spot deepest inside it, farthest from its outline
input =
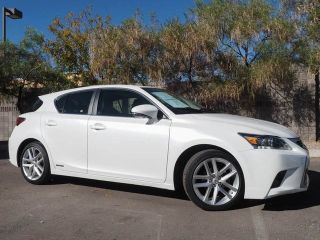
(213, 180)
(35, 165)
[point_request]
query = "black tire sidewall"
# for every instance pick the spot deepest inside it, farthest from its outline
(46, 171)
(188, 179)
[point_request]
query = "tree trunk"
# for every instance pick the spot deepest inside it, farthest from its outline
(19, 102)
(316, 104)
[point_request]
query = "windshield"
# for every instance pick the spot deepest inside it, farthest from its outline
(177, 104)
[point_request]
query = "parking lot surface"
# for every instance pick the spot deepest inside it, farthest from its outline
(71, 208)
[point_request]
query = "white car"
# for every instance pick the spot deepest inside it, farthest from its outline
(147, 136)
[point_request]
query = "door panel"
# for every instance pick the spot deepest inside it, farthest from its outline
(66, 137)
(128, 147)
(121, 145)
(66, 132)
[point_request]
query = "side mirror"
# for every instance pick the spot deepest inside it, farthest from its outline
(146, 110)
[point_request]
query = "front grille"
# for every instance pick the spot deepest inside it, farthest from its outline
(298, 142)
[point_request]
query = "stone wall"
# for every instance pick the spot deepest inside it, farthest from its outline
(306, 130)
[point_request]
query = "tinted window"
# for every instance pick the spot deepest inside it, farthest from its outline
(74, 103)
(119, 102)
(35, 106)
(38, 103)
(60, 103)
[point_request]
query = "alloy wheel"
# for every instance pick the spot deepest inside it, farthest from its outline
(215, 181)
(33, 163)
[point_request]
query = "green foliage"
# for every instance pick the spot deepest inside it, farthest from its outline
(27, 65)
(221, 43)
(311, 26)
(124, 54)
(223, 51)
(71, 46)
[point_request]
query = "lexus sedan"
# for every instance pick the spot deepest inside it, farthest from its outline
(148, 136)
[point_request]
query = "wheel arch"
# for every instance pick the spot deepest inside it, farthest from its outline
(186, 155)
(22, 146)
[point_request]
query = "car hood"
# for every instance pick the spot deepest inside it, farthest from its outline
(241, 124)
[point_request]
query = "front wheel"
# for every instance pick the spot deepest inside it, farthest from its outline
(35, 166)
(213, 180)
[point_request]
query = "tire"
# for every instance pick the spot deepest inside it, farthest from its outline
(212, 189)
(34, 163)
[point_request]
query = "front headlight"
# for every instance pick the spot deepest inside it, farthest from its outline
(265, 141)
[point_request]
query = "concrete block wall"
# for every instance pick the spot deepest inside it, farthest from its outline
(8, 115)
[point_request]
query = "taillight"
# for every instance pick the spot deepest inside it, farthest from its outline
(19, 120)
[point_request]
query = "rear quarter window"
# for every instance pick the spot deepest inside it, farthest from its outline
(35, 106)
(59, 103)
(74, 103)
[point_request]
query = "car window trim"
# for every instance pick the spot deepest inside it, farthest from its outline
(96, 100)
(90, 107)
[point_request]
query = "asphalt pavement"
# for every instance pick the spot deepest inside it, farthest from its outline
(72, 208)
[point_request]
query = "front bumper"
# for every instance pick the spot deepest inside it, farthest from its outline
(264, 165)
(295, 180)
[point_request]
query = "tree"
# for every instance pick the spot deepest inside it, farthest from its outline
(70, 48)
(310, 20)
(255, 48)
(186, 52)
(125, 54)
(26, 65)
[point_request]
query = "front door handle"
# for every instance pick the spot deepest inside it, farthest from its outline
(98, 126)
(51, 123)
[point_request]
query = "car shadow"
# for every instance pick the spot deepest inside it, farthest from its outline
(295, 201)
(119, 187)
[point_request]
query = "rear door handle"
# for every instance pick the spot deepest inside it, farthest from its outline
(51, 123)
(98, 126)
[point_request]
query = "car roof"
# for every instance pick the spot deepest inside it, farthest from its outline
(56, 94)
(48, 99)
